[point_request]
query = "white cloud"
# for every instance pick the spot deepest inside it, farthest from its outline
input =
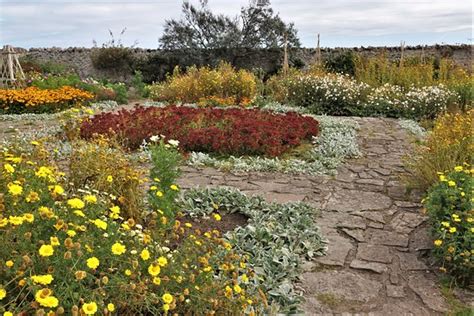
(76, 23)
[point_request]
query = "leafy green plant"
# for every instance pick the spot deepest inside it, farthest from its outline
(276, 241)
(121, 92)
(165, 159)
(139, 85)
(449, 206)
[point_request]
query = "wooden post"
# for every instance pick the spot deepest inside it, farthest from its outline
(318, 52)
(422, 55)
(285, 57)
(402, 50)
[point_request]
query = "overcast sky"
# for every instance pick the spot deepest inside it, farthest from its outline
(342, 23)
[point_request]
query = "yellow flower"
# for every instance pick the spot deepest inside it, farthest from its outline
(16, 220)
(166, 307)
(245, 278)
(3, 222)
(9, 168)
(452, 230)
(110, 307)
(76, 203)
(145, 254)
(442, 178)
(3, 293)
(458, 168)
(118, 249)
(162, 261)
(174, 187)
(159, 193)
(15, 189)
(57, 189)
(7, 313)
(445, 224)
(90, 199)
(93, 263)
(228, 291)
(45, 299)
(110, 179)
(438, 242)
(167, 298)
(470, 219)
(128, 272)
(71, 233)
(100, 224)
(54, 241)
(9, 263)
(79, 213)
(29, 217)
(42, 279)
(46, 250)
(89, 308)
(217, 217)
(237, 289)
(115, 209)
(156, 281)
(154, 269)
(451, 183)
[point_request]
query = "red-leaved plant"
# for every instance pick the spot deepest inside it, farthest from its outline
(222, 131)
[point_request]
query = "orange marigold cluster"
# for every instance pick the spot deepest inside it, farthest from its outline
(33, 97)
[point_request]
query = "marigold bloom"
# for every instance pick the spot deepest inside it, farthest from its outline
(167, 298)
(89, 308)
(93, 263)
(154, 269)
(118, 249)
(162, 261)
(46, 250)
(110, 307)
(42, 279)
(15, 189)
(145, 254)
(76, 203)
(3, 293)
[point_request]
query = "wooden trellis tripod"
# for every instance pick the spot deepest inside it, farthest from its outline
(11, 73)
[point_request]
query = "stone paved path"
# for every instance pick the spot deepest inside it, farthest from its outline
(376, 231)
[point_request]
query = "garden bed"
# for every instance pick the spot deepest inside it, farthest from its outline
(220, 131)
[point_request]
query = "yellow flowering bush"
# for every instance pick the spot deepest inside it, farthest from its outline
(449, 144)
(69, 250)
(449, 206)
(204, 83)
(102, 165)
(35, 100)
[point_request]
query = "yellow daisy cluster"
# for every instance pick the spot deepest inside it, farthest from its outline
(69, 250)
(449, 205)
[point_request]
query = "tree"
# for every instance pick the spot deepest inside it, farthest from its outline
(257, 26)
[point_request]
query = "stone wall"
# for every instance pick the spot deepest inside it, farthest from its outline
(156, 63)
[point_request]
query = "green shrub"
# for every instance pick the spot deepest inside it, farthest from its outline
(449, 206)
(116, 58)
(120, 90)
(139, 85)
(341, 62)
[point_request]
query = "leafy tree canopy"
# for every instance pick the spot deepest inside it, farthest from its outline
(257, 26)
